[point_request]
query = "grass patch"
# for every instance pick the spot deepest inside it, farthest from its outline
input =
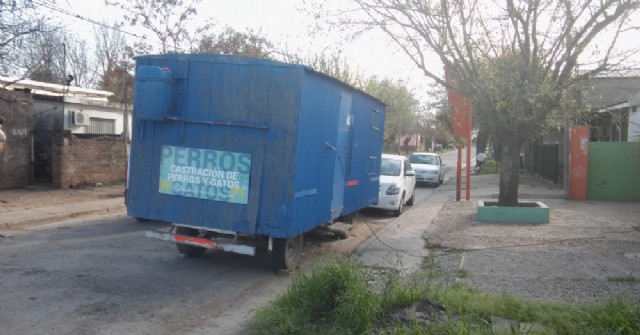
(333, 299)
(340, 297)
(624, 279)
(463, 273)
(489, 166)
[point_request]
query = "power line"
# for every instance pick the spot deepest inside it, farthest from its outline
(94, 22)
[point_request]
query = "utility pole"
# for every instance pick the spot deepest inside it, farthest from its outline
(125, 124)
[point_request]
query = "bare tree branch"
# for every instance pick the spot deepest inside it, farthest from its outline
(515, 73)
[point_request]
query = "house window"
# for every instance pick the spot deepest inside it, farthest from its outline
(101, 126)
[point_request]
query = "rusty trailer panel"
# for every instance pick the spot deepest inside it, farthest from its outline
(202, 242)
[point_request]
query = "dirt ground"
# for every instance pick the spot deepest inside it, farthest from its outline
(44, 195)
(320, 241)
(588, 252)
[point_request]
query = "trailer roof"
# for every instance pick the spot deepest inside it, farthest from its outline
(234, 59)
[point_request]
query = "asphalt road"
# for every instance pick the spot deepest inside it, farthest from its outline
(101, 275)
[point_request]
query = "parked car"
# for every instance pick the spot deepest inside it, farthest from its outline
(397, 184)
(428, 167)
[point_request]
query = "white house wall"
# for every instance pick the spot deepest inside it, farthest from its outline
(49, 115)
(95, 112)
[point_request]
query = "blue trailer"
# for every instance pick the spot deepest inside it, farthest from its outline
(235, 151)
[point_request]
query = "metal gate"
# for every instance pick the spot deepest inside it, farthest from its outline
(550, 157)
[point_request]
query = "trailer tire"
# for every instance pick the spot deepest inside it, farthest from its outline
(287, 252)
(189, 250)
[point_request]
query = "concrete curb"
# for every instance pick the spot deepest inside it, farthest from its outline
(402, 246)
(43, 215)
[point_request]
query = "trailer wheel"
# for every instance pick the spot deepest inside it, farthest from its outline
(287, 252)
(189, 250)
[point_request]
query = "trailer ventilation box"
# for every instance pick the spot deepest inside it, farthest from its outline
(250, 146)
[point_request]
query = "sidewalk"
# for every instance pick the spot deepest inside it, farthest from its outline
(589, 251)
(40, 204)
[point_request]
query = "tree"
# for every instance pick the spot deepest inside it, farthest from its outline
(232, 42)
(53, 56)
(515, 60)
(118, 78)
(79, 64)
(402, 106)
(115, 64)
(435, 121)
(166, 19)
(110, 46)
(401, 110)
(334, 66)
(44, 54)
(434, 128)
(18, 19)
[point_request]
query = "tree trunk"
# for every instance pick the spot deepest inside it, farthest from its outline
(509, 175)
(497, 152)
(482, 140)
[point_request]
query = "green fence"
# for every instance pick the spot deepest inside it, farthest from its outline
(614, 171)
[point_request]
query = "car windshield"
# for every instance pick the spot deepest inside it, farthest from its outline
(423, 159)
(390, 167)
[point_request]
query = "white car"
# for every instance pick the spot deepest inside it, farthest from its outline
(429, 167)
(397, 184)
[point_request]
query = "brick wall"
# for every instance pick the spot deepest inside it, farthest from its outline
(15, 161)
(87, 159)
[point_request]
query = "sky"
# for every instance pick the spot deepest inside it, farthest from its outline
(287, 26)
(280, 21)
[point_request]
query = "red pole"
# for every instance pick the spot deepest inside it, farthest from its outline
(469, 126)
(459, 173)
(468, 174)
(579, 162)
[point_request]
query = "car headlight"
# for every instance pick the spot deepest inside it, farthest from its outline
(393, 190)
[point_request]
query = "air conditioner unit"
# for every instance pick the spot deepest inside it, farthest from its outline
(79, 119)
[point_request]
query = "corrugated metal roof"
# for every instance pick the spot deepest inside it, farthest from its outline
(39, 87)
(604, 92)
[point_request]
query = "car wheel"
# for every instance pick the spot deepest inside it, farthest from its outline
(412, 199)
(441, 180)
(398, 211)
